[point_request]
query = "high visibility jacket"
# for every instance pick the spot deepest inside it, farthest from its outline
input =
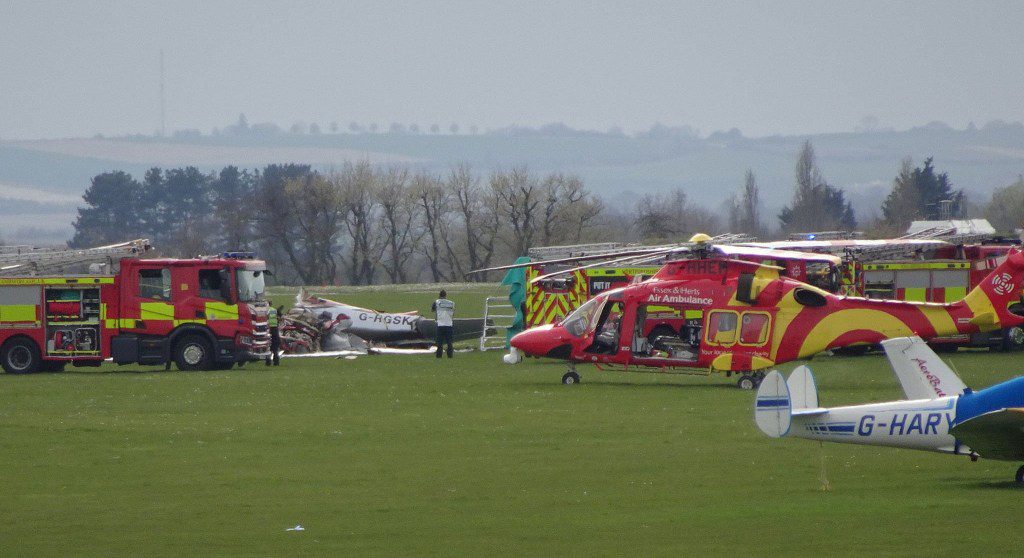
(272, 317)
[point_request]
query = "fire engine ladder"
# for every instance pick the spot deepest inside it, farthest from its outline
(950, 236)
(32, 260)
(576, 250)
(498, 317)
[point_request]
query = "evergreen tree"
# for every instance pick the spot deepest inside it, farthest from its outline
(817, 205)
(920, 193)
(112, 214)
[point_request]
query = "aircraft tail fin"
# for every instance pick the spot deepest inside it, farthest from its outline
(773, 406)
(803, 392)
(922, 374)
(990, 301)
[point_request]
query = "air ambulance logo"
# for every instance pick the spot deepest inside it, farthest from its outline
(1002, 284)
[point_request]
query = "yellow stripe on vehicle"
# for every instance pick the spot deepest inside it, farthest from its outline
(221, 311)
(57, 281)
(954, 294)
(10, 313)
(915, 294)
(892, 266)
(156, 311)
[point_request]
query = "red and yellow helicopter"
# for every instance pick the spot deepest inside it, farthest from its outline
(735, 316)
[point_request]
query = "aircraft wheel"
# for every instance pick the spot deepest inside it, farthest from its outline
(1020, 475)
(746, 381)
(570, 378)
(1014, 339)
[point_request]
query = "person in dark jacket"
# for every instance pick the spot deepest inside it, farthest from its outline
(444, 310)
(275, 336)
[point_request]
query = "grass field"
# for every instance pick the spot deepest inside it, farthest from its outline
(409, 455)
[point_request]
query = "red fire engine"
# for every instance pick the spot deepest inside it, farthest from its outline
(201, 314)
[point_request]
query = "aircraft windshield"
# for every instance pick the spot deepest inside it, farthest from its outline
(583, 320)
(251, 285)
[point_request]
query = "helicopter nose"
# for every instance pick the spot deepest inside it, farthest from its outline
(543, 341)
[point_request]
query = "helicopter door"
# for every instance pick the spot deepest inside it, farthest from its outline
(667, 332)
(606, 334)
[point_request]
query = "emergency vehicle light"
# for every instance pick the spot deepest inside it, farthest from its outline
(238, 255)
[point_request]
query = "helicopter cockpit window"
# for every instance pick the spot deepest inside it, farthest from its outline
(823, 275)
(722, 327)
(583, 320)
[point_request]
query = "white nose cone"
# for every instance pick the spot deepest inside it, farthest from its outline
(772, 405)
(513, 356)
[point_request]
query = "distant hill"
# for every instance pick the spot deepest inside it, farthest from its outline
(39, 180)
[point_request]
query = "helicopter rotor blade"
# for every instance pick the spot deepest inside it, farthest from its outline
(606, 256)
(636, 259)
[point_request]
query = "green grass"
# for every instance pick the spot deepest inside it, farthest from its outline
(410, 455)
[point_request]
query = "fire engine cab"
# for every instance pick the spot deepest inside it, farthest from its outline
(201, 314)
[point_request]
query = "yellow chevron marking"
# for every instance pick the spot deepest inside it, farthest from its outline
(788, 309)
(940, 320)
(981, 307)
(838, 323)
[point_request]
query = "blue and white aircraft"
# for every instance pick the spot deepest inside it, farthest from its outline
(940, 412)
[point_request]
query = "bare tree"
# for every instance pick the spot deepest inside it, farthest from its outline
(433, 200)
(479, 218)
(399, 230)
(568, 209)
(519, 196)
(670, 217)
(745, 209)
(357, 184)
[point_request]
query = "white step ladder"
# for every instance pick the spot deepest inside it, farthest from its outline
(498, 317)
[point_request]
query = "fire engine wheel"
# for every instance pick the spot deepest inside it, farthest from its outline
(20, 356)
(746, 381)
(192, 352)
(570, 378)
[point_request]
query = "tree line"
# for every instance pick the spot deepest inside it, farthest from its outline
(365, 224)
(359, 225)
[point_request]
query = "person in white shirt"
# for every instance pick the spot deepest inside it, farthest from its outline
(444, 310)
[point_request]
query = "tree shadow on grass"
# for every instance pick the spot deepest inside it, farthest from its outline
(635, 385)
(997, 485)
(89, 371)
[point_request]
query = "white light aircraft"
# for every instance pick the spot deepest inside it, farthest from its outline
(940, 414)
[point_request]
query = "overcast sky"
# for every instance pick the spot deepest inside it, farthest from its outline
(80, 68)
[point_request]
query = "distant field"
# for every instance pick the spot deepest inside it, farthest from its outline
(410, 455)
(171, 154)
(468, 297)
